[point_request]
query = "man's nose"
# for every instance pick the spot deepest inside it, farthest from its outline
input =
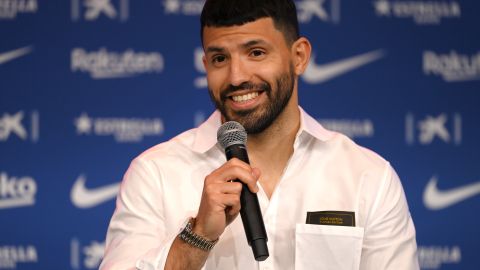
(239, 72)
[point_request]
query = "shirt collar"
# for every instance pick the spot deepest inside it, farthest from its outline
(206, 135)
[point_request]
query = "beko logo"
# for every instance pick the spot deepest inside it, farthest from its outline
(103, 64)
(422, 12)
(452, 67)
(122, 129)
(95, 9)
(9, 9)
(11, 255)
(16, 191)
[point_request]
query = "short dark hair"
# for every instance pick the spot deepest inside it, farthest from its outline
(218, 13)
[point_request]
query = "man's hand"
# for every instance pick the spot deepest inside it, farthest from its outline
(220, 203)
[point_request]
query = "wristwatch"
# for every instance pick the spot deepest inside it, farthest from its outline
(194, 239)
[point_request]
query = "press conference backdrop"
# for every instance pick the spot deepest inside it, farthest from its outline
(87, 85)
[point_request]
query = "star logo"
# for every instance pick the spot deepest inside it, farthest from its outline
(83, 124)
(382, 8)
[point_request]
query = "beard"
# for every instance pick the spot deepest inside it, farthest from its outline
(256, 120)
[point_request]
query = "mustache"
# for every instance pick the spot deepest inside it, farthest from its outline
(264, 86)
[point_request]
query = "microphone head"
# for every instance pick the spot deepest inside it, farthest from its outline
(231, 133)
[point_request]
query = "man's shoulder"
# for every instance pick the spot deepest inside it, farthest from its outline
(349, 150)
(180, 145)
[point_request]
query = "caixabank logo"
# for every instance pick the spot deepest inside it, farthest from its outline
(10, 9)
(424, 12)
(452, 66)
(20, 125)
(123, 130)
(14, 256)
(428, 129)
(105, 64)
(86, 255)
(94, 10)
(434, 257)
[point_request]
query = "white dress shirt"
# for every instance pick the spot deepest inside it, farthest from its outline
(327, 172)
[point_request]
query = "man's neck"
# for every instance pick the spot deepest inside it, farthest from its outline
(270, 150)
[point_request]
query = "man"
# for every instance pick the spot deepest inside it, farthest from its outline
(326, 202)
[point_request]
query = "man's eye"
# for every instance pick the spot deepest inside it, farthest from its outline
(218, 59)
(257, 53)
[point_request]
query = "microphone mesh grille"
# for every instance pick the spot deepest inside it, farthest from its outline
(231, 133)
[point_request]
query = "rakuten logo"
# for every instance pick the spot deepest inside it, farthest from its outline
(422, 12)
(10, 8)
(452, 67)
(103, 64)
(11, 255)
(16, 192)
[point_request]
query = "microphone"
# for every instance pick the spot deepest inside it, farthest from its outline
(233, 138)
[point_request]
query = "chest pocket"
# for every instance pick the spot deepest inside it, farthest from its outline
(326, 247)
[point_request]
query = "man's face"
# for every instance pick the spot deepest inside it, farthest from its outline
(249, 71)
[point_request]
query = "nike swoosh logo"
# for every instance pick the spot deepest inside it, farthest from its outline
(435, 199)
(9, 56)
(86, 198)
(321, 73)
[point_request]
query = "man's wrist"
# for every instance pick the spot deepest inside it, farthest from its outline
(194, 239)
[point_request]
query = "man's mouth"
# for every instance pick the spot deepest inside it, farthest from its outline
(244, 97)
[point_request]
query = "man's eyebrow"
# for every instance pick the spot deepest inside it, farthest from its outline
(252, 43)
(214, 49)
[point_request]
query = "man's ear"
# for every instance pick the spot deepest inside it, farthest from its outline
(204, 60)
(301, 51)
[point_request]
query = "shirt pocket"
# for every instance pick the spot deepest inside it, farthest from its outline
(327, 247)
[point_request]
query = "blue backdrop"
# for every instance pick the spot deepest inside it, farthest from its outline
(87, 85)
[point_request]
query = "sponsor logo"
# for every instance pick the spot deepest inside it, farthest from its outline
(16, 191)
(13, 124)
(122, 129)
(352, 128)
(92, 10)
(103, 64)
(183, 7)
(452, 67)
(422, 12)
(435, 199)
(12, 55)
(9, 9)
(316, 73)
(424, 131)
(86, 257)
(324, 10)
(87, 198)
(432, 257)
(11, 255)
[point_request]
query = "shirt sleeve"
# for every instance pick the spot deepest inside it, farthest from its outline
(389, 240)
(136, 237)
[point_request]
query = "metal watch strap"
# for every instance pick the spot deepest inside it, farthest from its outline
(194, 239)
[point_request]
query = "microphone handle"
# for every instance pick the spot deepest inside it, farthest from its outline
(250, 210)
